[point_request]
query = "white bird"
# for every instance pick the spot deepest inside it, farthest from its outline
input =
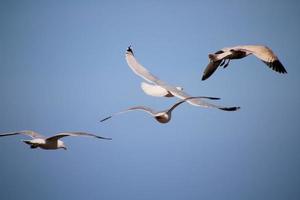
(165, 115)
(160, 88)
(264, 53)
(52, 142)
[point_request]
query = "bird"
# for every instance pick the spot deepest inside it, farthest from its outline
(159, 88)
(49, 143)
(160, 116)
(223, 57)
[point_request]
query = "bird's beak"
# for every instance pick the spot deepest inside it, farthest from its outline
(65, 148)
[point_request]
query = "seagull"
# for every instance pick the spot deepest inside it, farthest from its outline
(223, 57)
(165, 115)
(157, 87)
(52, 142)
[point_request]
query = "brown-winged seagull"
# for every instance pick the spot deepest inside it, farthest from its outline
(160, 87)
(223, 57)
(52, 142)
(165, 115)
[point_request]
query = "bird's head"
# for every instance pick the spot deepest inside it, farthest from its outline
(179, 88)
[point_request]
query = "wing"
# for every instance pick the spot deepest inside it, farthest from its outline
(193, 101)
(29, 133)
(204, 97)
(137, 68)
(215, 61)
(65, 134)
(266, 55)
(141, 108)
(189, 98)
(177, 104)
(210, 69)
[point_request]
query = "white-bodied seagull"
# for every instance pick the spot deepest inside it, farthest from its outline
(52, 142)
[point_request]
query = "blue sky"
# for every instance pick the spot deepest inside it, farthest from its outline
(62, 68)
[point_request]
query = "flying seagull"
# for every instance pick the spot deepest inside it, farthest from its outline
(165, 115)
(157, 87)
(223, 57)
(52, 142)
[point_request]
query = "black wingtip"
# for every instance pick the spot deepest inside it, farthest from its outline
(102, 120)
(230, 108)
(129, 49)
(214, 98)
(277, 66)
(104, 138)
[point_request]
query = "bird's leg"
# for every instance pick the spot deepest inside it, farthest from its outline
(226, 64)
(222, 62)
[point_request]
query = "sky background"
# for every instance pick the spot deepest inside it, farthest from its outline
(63, 68)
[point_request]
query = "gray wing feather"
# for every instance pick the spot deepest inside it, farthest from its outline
(65, 134)
(141, 108)
(193, 101)
(29, 133)
(204, 97)
(265, 54)
(210, 69)
(137, 68)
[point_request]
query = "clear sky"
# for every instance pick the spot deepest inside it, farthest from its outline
(62, 68)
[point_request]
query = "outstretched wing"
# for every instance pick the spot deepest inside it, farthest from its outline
(65, 134)
(193, 101)
(141, 108)
(137, 68)
(29, 133)
(266, 55)
(211, 68)
(204, 97)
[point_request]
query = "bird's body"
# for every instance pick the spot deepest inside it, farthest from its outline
(160, 88)
(156, 90)
(264, 53)
(50, 143)
(44, 144)
(163, 117)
